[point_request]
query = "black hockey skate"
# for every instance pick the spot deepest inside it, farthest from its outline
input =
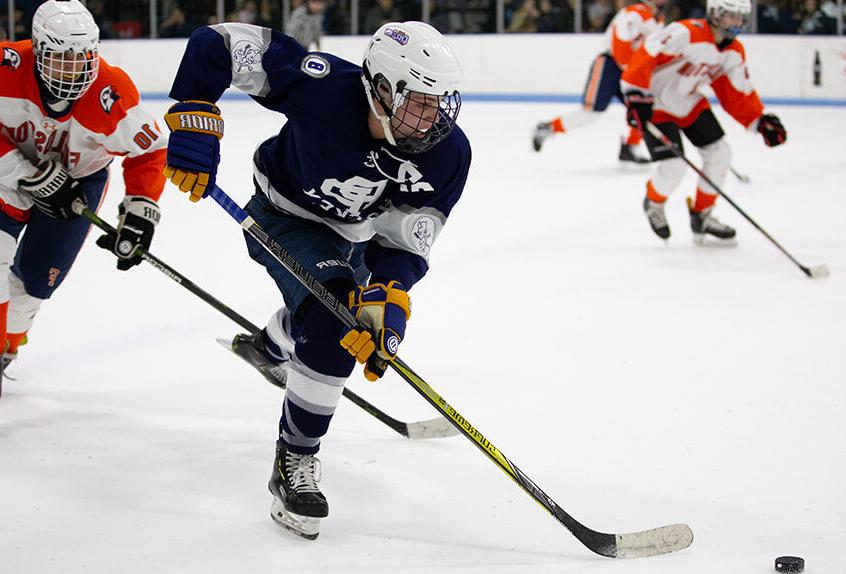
(298, 504)
(657, 219)
(543, 131)
(251, 348)
(627, 153)
(707, 230)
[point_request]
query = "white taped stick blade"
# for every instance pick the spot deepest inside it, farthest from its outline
(819, 272)
(656, 541)
(435, 428)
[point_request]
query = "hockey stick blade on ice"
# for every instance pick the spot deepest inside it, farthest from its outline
(740, 176)
(435, 428)
(816, 272)
(630, 545)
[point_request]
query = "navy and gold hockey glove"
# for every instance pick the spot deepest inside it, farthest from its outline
(770, 127)
(193, 150)
(384, 311)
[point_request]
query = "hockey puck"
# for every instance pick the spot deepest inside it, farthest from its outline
(789, 564)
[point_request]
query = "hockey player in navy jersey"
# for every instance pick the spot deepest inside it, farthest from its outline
(356, 186)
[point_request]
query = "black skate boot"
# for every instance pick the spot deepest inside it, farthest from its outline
(627, 153)
(657, 220)
(252, 349)
(298, 504)
(543, 131)
(707, 229)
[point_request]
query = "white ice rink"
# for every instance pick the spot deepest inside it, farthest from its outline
(637, 383)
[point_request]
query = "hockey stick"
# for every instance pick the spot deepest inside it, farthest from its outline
(636, 544)
(816, 272)
(740, 176)
(434, 428)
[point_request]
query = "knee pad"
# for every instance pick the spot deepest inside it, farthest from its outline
(668, 175)
(716, 160)
(22, 306)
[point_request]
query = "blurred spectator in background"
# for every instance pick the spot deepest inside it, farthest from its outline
(336, 18)
(556, 17)
(98, 10)
(249, 14)
(599, 14)
(384, 11)
(819, 19)
(769, 17)
(175, 25)
(306, 23)
(525, 18)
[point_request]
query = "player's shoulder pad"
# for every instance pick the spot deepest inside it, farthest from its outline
(319, 65)
(736, 46)
(697, 28)
(108, 99)
(16, 69)
(640, 9)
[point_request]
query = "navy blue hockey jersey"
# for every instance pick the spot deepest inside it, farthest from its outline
(324, 165)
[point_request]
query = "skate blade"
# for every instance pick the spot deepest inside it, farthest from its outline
(307, 527)
(705, 240)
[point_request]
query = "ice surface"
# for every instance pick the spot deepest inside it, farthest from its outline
(639, 384)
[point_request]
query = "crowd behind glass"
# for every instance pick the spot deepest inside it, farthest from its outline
(177, 18)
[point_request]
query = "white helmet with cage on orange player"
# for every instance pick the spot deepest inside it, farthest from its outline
(413, 75)
(65, 41)
(716, 9)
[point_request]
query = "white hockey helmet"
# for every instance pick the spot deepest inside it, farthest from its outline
(413, 74)
(716, 9)
(65, 41)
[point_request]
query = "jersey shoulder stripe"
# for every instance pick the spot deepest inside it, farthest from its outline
(17, 79)
(107, 101)
(640, 9)
(699, 30)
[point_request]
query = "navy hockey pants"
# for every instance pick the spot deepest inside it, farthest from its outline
(603, 83)
(49, 246)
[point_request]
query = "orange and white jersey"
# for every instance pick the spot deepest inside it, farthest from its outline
(674, 63)
(627, 31)
(105, 122)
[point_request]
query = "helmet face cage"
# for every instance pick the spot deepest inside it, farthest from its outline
(418, 120)
(67, 75)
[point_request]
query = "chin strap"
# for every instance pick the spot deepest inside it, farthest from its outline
(384, 120)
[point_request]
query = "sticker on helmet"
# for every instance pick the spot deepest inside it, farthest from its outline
(398, 35)
(315, 66)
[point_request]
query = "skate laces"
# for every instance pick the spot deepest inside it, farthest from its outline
(302, 471)
(655, 214)
(710, 223)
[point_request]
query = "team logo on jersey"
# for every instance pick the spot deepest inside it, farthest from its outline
(398, 35)
(315, 66)
(11, 59)
(423, 233)
(108, 97)
(245, 54)
(347, 199)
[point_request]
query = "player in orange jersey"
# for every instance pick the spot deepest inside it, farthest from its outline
(666, 74)
(625, 34)
(64, 115)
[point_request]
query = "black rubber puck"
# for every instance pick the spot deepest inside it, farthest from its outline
(789, 564)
